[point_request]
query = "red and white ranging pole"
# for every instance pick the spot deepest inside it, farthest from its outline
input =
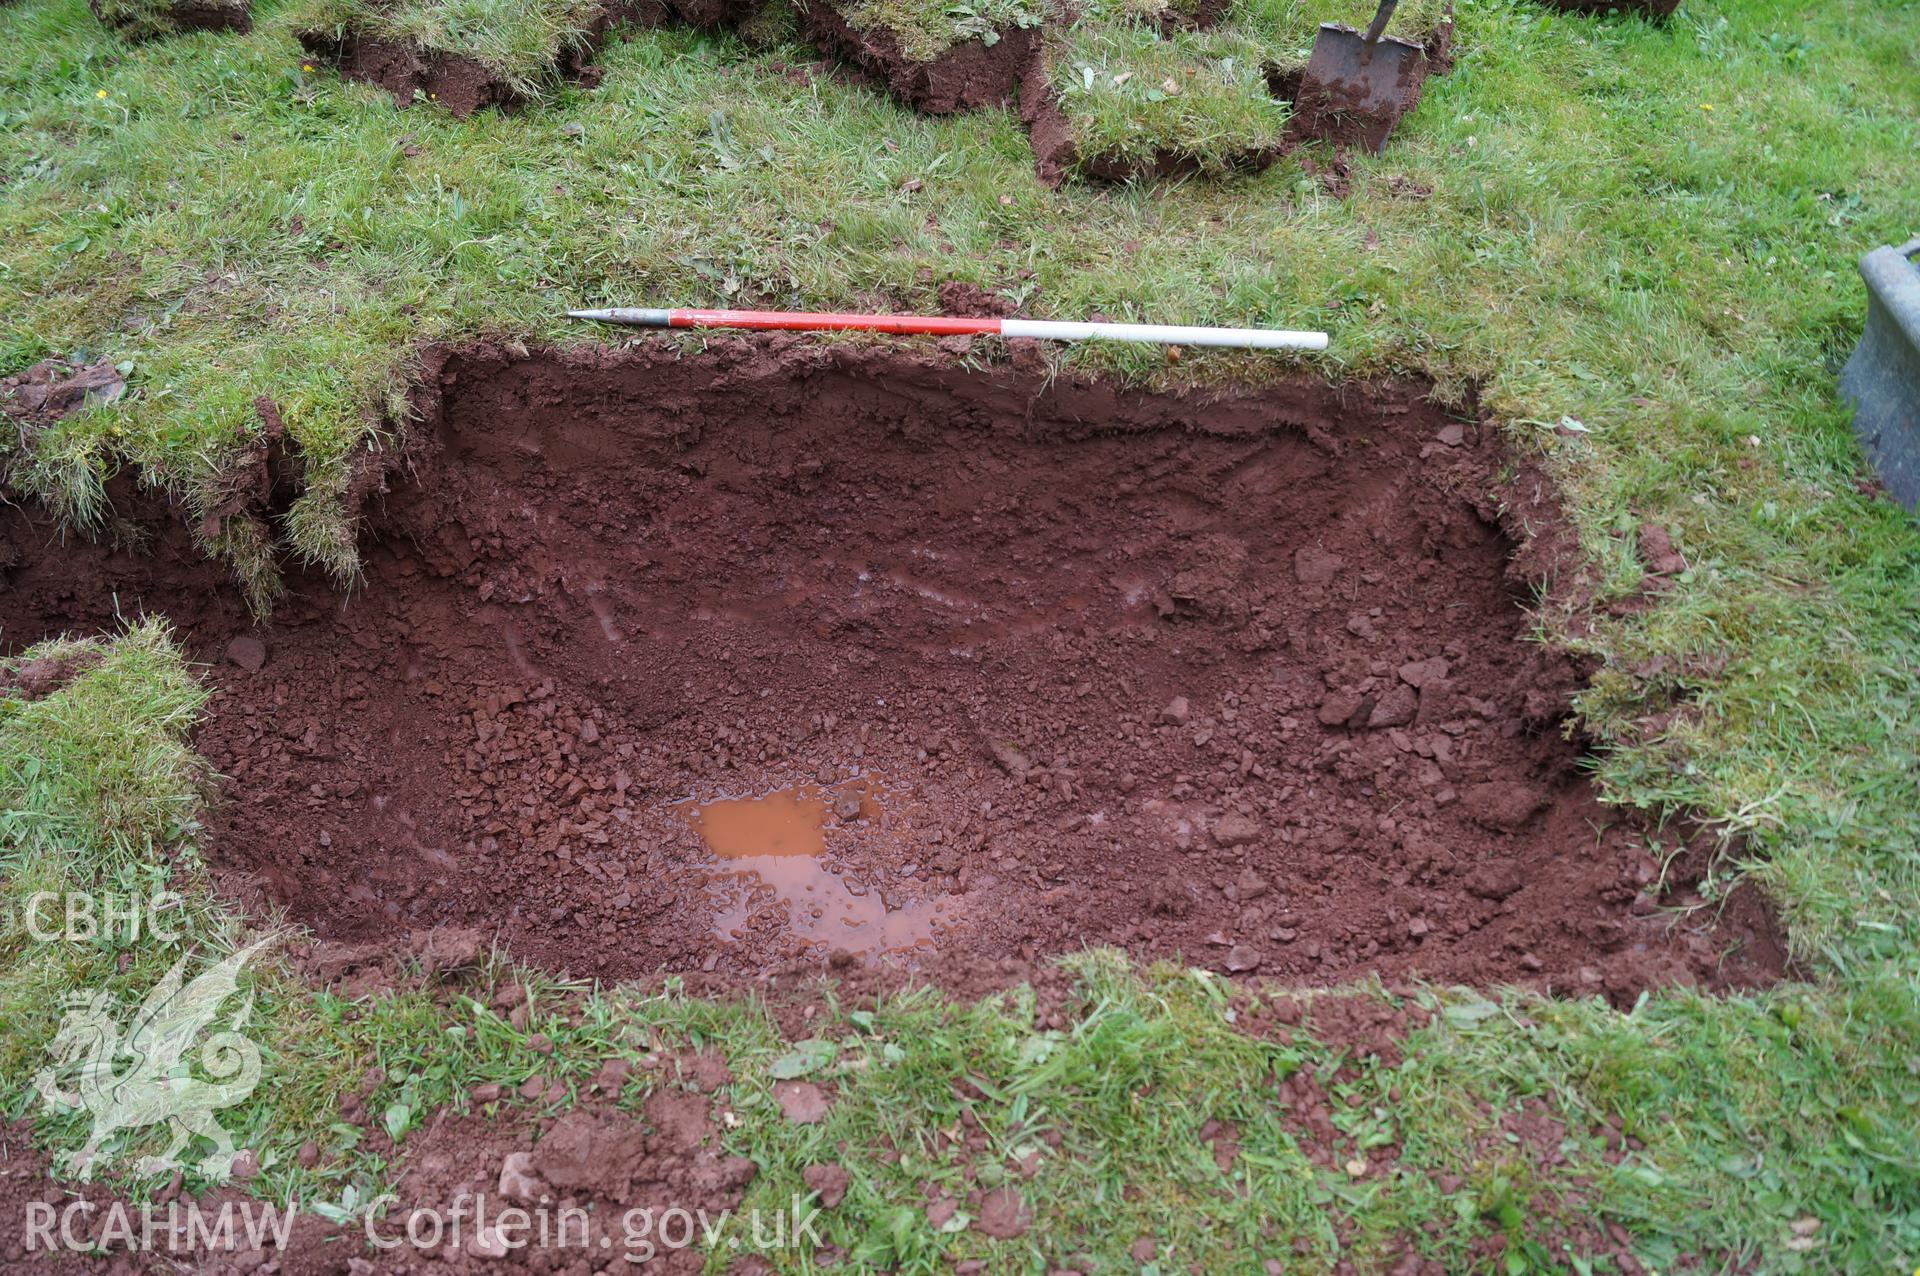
(947, 326)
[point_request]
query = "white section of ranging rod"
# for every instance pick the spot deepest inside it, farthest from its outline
(1165, 334)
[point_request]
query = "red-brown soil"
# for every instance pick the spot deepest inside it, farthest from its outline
(969, 76)
(1240, 677)
(460, 84)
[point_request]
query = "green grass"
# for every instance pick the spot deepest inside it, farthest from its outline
(522, 43)
(1648, 231)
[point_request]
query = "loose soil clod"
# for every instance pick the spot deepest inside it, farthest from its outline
(52, 388)
(1240, 678)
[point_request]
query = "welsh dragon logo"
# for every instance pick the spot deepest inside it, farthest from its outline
(145, 1076)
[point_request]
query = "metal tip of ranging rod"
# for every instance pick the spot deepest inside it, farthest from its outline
(627, 315)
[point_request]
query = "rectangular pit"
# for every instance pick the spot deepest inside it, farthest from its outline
(1239, 677)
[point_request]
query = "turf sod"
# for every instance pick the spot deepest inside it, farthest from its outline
(927, 28)
(1637, 242)
(521, 43)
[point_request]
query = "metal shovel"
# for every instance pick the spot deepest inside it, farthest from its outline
(1357, 85)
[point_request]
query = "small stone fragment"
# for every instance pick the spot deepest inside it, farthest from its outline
(1010, 759)
(1658, 553)
(1340, 707)
(830, 1181)
(1495, 879)
(1396, 709)
(1003, 1215)
(517, 1180)
(248, 652)
(1419, 673)
(1315, 566)
(1235, 829)
(801, 1102)
(1504, 805)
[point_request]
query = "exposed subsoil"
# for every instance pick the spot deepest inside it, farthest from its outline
(1238, 677)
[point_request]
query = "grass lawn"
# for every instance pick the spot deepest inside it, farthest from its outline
(1634, 243)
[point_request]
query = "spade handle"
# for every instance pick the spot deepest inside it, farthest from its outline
(1380, 20)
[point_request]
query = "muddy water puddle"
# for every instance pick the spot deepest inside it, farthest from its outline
(781, 858)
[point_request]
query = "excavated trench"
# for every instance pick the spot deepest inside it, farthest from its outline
(784, 653)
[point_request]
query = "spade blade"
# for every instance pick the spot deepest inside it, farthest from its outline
(1354, 91)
